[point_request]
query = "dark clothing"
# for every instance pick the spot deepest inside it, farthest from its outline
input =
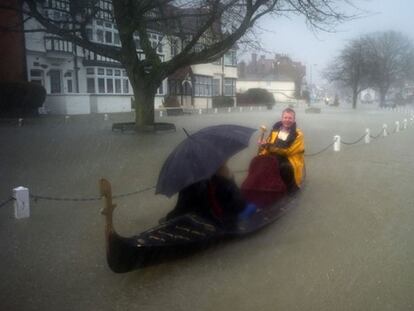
(225, 199)
(193, 198)
(286, 172)
(289, 140)
(218, 198)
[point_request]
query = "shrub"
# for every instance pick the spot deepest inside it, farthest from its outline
(223, 101)
(21, 98)
(256, 96)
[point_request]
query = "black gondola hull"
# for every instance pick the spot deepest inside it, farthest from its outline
(183, 236)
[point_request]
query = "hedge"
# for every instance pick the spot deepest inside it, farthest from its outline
(255, 97)
(20, 98)
(223, 101)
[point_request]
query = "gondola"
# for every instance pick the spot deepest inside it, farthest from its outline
(182, 235)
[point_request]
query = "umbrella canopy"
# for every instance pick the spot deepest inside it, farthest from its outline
(200, 155)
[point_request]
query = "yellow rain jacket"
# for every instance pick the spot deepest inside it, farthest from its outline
(294, 153)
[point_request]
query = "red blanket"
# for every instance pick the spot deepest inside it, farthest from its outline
(263, 185)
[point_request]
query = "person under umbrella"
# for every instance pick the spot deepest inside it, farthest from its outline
(218, 198)
(197, 170)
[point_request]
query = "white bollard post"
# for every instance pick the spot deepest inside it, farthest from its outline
(21, 202)
(106, 117)
(67, 119)
(384, 130)
(251, 108)
(367, 136)
(200, 111)
(405, 124)
(337, 143)
(397, 126)
(20, 121)
(229, 110)
(161, 113)
(260, 108)
(215, 110)
(241, 109)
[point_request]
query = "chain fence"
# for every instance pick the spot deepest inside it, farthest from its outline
(37, 197)
(4, 203)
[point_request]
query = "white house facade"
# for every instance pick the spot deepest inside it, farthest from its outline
(78, 81)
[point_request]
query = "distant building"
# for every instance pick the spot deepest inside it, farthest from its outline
(280, 76)
(195, 86)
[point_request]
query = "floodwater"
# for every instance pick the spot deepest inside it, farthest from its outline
(347, 244)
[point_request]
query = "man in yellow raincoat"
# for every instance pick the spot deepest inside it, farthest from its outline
(286, 142)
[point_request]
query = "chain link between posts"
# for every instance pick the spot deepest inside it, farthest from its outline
(4, 203)
(36, 197)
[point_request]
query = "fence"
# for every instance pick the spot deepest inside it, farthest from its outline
(21, 196)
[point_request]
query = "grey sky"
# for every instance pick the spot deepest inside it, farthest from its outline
(292, 37)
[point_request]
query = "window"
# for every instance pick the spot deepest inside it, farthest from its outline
(108, 37)
(126, 86)
(69, 85)
(174, 47)
(118, 86)
(229, 87)
(90, 85)
(202, 85)
(99, 35)
(117, 41)
(109, 85)
(89, 34)
(55, 81)
(36, 76)
(137, 43)
(107, 80)
(230, 58)
(160, 90)
(101, 85)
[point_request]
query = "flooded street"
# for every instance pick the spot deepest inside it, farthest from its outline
(348, 243)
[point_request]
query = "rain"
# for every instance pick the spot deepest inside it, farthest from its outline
(346, 242)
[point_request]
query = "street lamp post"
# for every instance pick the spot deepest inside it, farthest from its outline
(310, 82)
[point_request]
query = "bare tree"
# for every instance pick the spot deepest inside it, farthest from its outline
(201, 31)
(349, 69)
(390, 57)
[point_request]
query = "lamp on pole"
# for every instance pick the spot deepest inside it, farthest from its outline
(310, 82)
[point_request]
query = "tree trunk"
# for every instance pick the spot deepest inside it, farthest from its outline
(144, 107)
(354, 98)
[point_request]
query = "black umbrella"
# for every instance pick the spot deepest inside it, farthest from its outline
(200, 155)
